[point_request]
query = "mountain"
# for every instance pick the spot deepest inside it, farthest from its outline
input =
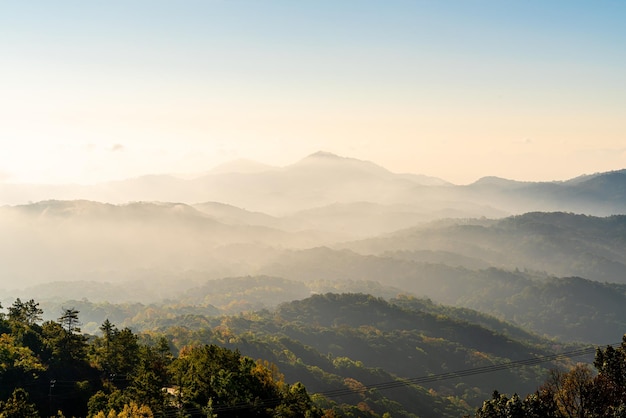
(318, 180)
(85, 240)
(567, 308)
(334, 342)
(601, 194)
(233, 215)
(324, 179)
(563, 244)
(358, 355)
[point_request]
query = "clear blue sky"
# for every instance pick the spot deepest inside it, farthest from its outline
(530, 90)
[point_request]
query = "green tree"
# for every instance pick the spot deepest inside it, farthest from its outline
(69, 321)
(74, 344)
(18, 365)
(151, 376)
(130, 410)
(26, 313)
(23, 319)
(232, 385)
(18, 406)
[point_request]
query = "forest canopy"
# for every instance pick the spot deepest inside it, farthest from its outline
(49, 368)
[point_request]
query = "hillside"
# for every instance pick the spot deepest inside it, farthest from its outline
(563, 244)
(84, 240)
(327, 339)
(570, 308)
(356, 354)
(527, 269)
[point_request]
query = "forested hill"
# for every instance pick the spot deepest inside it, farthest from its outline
(562, 244)
(330, 342)
(49, 368)
(569, 308)
(83, 240)
(360, 356)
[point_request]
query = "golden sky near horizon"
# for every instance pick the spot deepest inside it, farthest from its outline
(527, 90)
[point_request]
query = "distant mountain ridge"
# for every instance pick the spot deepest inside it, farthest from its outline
(324, 179)
(564, 244)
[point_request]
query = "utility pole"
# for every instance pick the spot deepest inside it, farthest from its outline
(52, 382)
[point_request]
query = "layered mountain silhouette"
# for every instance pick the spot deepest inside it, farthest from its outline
(324, 179)
(245, 218)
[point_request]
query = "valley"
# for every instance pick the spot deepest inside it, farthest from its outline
(344, 276)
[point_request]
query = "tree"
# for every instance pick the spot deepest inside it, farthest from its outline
(22, 319)
(296, 403)
(576, 393)
(151, 376)
(130, 410)
(232, 385)
(18, 406)
(69, 321)
(18, 365)
(116, 353)
(611, 364)
(27, 313)
(74, 344)
(571, 390)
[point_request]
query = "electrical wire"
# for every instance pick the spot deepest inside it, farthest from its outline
(462, 373)
(426, 379)
(337, 393)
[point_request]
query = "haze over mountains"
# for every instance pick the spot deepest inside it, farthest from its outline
(324, 218)
(336, 270)
(323, 179)
(232, 221)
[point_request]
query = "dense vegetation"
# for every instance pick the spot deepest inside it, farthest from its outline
(342, 347)
(556, 274)
(562, 244)
(328, 340)
(574, 393)
(567, 308)
(360, 355)
(50, 368)
(462, 304)
(215, 310)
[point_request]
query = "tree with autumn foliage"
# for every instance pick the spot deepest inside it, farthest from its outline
(577, 393)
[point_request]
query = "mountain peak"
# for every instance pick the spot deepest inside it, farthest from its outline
(494, 181)
(328, 159)
(325, 155)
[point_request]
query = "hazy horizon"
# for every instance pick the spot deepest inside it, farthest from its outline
(347, 196)
(457, 90)
(247, 166)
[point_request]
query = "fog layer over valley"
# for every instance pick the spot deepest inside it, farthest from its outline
(335, 269)
(327, 218)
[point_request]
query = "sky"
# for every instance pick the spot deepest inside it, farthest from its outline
(530, 90)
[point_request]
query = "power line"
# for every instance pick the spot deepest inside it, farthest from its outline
(427, 379)
(463, 373)
(406, 381)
